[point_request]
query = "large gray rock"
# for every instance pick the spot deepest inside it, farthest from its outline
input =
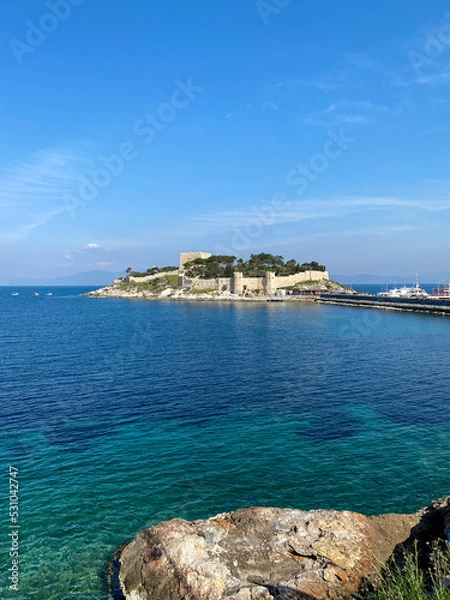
(261, 554)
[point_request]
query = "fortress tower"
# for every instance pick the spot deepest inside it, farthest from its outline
(186, 257)
(270, 287)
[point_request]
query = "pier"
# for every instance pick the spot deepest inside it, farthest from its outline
(437, 306)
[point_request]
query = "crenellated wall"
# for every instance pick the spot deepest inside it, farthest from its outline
(238, 284)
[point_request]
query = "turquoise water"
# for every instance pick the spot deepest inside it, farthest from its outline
(119, 414)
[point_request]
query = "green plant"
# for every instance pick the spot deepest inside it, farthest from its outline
(441, 572)
(406, 579)
(172, 279)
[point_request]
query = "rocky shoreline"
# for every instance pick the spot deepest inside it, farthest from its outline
(273, 554)
(134, 292)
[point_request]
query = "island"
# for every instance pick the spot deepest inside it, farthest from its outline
(203, 276)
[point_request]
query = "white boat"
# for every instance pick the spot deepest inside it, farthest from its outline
(35, 293)
(15, 294)
(49, 294)
(406, 292)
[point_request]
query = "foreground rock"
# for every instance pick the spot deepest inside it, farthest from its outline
(266, 554)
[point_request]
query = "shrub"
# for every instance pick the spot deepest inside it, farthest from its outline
(407, 580)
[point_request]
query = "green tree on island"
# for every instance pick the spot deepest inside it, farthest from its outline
(256, 266)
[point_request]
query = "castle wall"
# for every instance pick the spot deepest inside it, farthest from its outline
(199, 284)
(250, 284)
(131, 279)
(289, 280)
(224, 284)
(238, 284)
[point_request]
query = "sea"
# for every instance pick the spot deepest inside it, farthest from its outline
(118, 414)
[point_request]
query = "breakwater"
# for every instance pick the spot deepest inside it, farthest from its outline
(439, 306)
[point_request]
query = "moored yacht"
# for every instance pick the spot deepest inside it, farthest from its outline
(406, 292)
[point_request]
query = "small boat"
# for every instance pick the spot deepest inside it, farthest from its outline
(35, 293)
(49, 294)
(15, 294)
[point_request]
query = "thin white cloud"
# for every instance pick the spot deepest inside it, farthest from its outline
(324, 84)
(31, 191)
(346, 233)
(359, 112)
(434, 74)
(295, 212)
(272, 105)
(87, 249)
(441, 78)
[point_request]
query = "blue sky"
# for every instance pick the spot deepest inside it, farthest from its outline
(314, 129)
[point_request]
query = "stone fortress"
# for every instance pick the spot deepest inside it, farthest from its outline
(238, 284)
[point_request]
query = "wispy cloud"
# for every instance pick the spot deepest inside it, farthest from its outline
(238, 111)
(88, 250)
(437, 75)
(31, 191)
(296, 212)
(92, 246)
(346, 111)
(272, 104)
(374, 230)
(324, 83)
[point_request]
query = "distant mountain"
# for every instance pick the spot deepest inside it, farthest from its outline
(94, 278)
(88, 278)
(383, 279)
(348, 279)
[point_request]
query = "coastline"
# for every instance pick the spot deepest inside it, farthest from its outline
(203, 297)
(308, 295)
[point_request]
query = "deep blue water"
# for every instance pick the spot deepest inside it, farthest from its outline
(119, 414)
